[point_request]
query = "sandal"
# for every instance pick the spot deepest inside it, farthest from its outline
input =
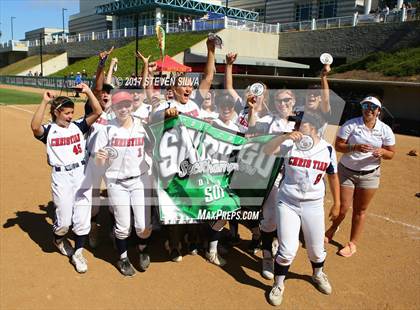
(348, 250)
(329, 234)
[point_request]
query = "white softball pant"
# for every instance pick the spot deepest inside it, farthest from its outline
(290, 218)
(125, 195)
(64, 185)
(87, 198)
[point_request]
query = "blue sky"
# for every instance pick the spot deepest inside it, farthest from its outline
(33, 14)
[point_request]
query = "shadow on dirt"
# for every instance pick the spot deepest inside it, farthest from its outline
(36, 226)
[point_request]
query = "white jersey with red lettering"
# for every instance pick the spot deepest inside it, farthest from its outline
(100, 123)
(126, 176)
(66, 155)
(304, 172)
(65, 146)
(143, 112)
(127, 149)
(190, 108)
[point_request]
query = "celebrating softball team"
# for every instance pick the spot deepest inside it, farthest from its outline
(113, 142)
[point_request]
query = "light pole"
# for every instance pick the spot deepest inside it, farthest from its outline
(265, 11)
(62, 10)
(11, 24)
(41, 39)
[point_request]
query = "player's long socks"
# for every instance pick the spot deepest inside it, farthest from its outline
(267, 241)
(280, 272)
(122, 247)
(79, 243)
(233, 227)
(214, 237)
(142, 243)
(58, 238)
(256, 233)
(317, 268)
(94, 219)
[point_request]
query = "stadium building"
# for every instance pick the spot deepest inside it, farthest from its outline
(285, 11)
(102, 15)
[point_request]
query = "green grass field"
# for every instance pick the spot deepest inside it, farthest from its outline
(11, 96)
(404, 62)
(175, 43)
(24, 64)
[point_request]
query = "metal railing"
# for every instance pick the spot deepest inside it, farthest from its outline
(228, 23)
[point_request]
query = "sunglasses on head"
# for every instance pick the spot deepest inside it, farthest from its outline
(369, 106)
(284, 100)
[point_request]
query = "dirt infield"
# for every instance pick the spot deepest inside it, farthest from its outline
(384, 274)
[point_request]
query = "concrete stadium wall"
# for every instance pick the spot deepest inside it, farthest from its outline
(51, 66)
(80, 49)
(350, 43)
(245, 43)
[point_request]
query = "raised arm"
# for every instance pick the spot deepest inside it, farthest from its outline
(251, 102)
(230, 60)
(100, 74)
(114, 62)
(325, 90)
(147, 74)
(94, 103)
(36, 123)
(208, 69)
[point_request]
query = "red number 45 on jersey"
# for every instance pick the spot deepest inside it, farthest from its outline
(77, 149)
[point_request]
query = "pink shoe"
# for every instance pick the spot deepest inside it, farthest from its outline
(348, 250)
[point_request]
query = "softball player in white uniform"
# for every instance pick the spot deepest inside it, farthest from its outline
(301, 199)
(274, 123)
(89, 192)
(121, 148)
(65, 144)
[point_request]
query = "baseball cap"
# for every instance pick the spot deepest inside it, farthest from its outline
(107, 88)
(372, 100)
(121, 97)
(315, 119)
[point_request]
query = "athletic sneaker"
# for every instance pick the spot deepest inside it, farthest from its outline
(193, 249)
(64, 247)
(215, 258)
(268, 268)
(175, 255)
(125, 267)
(254, 246)
(80, 262)
(93, 235)
(276, 295)
(322, 283)
(144, 260)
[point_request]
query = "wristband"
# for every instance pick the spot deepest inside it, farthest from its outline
(102, 62)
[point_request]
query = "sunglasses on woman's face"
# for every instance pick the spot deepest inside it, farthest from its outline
(369, 106)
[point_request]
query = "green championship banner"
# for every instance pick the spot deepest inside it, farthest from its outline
(205, 172)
